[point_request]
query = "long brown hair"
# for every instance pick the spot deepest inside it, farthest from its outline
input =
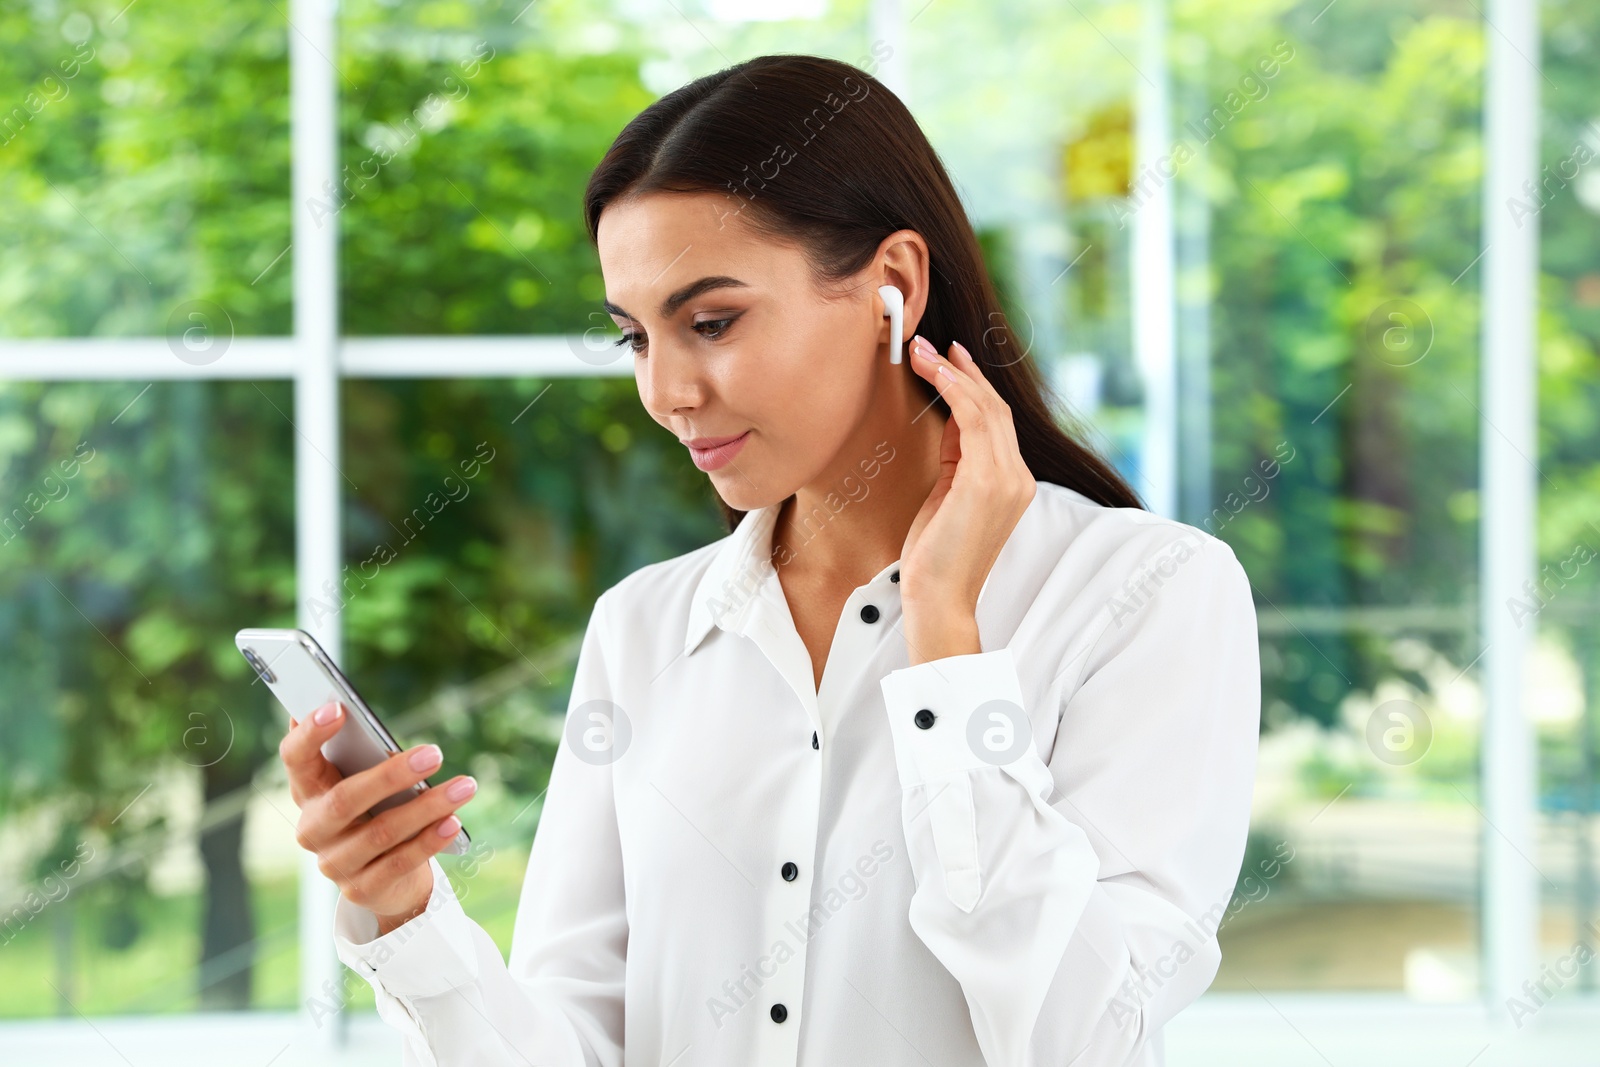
(819, 152)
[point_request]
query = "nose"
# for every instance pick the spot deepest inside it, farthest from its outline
(670, 384)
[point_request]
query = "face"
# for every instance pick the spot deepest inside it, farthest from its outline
(764, 375)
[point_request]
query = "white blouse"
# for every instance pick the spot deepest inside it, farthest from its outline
(1017, 857)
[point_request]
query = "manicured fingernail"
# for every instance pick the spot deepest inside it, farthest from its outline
(959, 347)
(946, 371)
(327, 713)
(426, 758)
(449, 827)
(462, 789)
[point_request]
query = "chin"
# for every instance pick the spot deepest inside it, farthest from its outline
(738, 492)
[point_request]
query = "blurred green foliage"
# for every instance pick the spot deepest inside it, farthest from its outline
(158, 172)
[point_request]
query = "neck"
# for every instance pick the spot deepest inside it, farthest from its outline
(852, 520)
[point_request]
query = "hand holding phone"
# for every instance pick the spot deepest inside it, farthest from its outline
(379, 862)
(366, 809)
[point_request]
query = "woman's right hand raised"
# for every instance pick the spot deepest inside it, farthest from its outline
(379, 863)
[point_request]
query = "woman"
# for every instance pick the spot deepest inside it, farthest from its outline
(942, 756)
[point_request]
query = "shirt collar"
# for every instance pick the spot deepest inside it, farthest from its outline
(743, 563)
(738, 568)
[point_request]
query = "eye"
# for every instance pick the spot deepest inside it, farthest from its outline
(634, 339)
(713, 329)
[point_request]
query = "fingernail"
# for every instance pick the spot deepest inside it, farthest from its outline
(327, 713)
(462, 789)
(426, 758)
(959, 347)
(449, 827)
(947, 372)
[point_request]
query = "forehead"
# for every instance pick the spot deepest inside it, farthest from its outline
(651, 244)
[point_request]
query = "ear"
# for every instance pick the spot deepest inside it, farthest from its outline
(902, 261)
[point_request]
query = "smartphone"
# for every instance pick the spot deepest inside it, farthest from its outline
(303, 678)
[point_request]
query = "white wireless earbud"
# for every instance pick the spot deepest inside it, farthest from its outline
(894, 306)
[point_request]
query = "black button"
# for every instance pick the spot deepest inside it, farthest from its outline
(779, 1013)
(923, 719)
(814, 740)
(895, 577)
(790, 872)
(869, 613)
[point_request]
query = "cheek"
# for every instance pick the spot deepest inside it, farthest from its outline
(814, 380)
(769, 384)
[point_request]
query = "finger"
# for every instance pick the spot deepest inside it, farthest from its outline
(355, 795)
(366, 841)
(960, 392)
(310, 773)
(988, 395)
(964, 360)
(1013, 473)
(1003, 423)
(399, 861)
(988, 434)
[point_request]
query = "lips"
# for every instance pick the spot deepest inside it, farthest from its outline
(710, 453)
(714, 442)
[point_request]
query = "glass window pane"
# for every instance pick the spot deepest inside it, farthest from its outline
(1030, 111)
(1338, 167)
(468, 136)
(144, 169)
(1327, 426)
(1564, 605)
(487, 517)
(150, 864)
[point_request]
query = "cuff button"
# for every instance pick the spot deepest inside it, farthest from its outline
(923, 719)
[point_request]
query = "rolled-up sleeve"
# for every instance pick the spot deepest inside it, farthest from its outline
(441, 981)
(1075, 896)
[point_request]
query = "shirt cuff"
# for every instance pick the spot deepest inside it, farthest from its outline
(429, 955)
(956, 714)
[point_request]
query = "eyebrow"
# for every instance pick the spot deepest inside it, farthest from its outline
(676, 300)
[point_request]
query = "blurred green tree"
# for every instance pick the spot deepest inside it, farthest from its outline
(158, 172)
